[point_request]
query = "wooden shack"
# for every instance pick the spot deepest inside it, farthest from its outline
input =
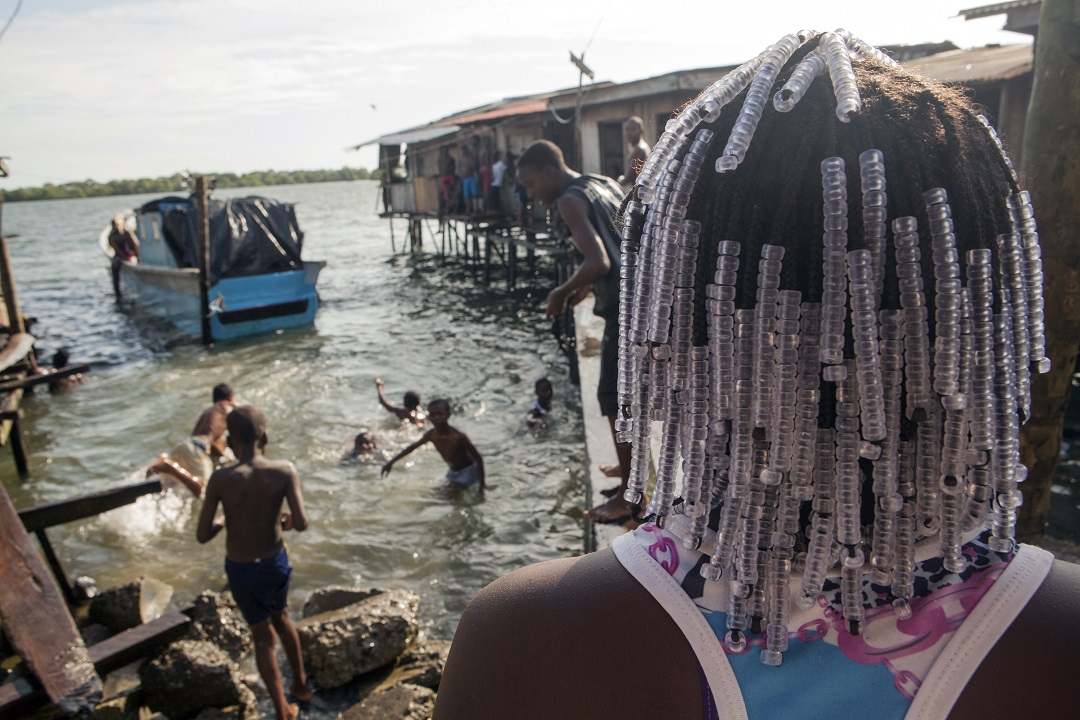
(586, 122)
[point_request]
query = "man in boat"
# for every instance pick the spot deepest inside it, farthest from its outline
(192, 460)
(125, 247)
(251, 494)
(585, 207)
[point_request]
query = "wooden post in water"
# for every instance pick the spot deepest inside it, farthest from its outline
(202, 219)
(10, 425)
(11, 298)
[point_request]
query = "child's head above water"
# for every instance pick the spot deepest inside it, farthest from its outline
(364, 442)
(411, 400)
(544, 392)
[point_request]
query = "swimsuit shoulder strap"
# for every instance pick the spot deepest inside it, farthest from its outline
(984, 626)
(666, 591)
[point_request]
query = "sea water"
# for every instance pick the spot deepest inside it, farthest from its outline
(418, 322)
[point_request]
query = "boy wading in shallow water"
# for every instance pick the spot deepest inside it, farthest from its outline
(256, 561)
(466, 465)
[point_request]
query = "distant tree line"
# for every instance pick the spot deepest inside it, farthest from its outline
(175, 183)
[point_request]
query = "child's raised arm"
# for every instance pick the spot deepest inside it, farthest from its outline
(401, 412)
(386, 468)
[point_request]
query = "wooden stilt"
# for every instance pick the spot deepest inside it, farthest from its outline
(18, 448)
(55, 566)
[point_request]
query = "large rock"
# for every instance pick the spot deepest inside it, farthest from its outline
(342, 644)
(335, 597)
(94, 633)
(124, 706)
(191, 676)
(400, 702)
(216, 619)
(422, 664)
(127, 606)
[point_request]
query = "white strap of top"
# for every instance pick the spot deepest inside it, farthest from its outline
(979, 632)
(687, 615)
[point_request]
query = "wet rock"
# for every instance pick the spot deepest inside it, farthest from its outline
(127, 606)
(342, 644)
(124, 706)
(422, 664)
(400, 702)
(335, 597)
(191, 676)
(85, 588)
(94, 633)
(216, 619)
(234, 712)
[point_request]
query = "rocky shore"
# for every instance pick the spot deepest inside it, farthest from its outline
(363, 651)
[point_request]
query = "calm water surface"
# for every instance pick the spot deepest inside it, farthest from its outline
(416, 322)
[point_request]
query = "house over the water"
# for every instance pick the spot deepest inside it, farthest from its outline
(586, 122)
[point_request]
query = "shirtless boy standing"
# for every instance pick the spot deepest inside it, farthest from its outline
(256, 562)
(466, 465)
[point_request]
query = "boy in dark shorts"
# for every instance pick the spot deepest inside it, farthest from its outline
(466, 465)
(256, 562)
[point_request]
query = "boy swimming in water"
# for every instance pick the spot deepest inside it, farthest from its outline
(539, 415)
(466, 465)
(256, 561)
(411, 411)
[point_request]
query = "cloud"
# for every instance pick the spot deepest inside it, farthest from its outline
(110, 89)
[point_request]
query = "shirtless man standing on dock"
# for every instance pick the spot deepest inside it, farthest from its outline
(634, 131)
(586, 206)
(256, 561)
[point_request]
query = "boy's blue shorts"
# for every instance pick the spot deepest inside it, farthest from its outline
(260, 588)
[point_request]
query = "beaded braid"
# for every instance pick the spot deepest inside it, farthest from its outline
(874, 368)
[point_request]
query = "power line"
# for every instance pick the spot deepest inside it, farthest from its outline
(11, 19)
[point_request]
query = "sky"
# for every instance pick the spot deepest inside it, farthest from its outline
(111, 89)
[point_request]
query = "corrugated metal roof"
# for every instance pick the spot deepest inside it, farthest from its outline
(988, 10)
(428, 132)
(520, 108)
(978, 65)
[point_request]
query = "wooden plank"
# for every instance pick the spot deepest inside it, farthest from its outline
(37, 621)
(20, 696)
(43, 377)
(10, 403)
(64, 511)
(16, 349)
(25, 694)
(137, 642)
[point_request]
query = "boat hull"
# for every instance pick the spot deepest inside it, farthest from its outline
(240, 307)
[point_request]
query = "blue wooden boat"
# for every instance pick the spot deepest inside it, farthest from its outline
(258, 281)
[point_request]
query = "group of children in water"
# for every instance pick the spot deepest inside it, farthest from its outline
(466, 465)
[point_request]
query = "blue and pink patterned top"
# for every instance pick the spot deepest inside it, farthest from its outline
(826, 671)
